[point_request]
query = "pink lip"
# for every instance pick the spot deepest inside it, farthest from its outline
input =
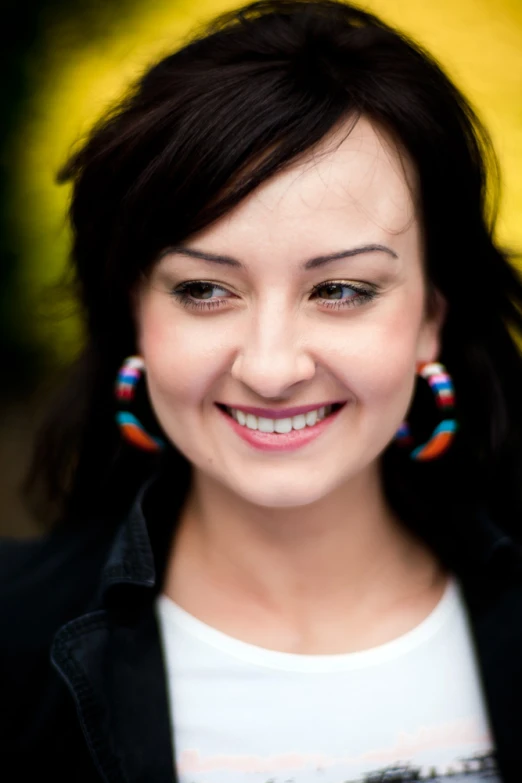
(284, 413)
(273, 441)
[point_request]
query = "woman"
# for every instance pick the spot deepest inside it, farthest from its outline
(287, 548)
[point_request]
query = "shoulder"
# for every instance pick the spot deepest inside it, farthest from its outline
(44, 582)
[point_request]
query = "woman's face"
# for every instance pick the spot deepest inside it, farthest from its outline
(268, 332)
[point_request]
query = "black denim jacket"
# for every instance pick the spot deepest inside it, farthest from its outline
(83, 694)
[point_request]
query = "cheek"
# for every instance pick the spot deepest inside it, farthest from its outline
(379, 353)
(182, 356)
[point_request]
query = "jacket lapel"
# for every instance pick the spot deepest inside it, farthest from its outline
(496, 625)
(489, 565)
(112, 662)
(116, 676)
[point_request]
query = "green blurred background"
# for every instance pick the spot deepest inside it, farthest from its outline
(65, 63)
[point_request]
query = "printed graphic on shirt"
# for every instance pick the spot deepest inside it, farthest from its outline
(475, 768)
(445, 754)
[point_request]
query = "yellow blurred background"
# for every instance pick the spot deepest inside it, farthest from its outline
(82, 59)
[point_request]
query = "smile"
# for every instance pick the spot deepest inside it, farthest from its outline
(280, 434)
(281, 426)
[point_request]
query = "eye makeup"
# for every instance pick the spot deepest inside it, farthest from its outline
(363, 294)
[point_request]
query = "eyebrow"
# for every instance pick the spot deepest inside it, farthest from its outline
(312, 263)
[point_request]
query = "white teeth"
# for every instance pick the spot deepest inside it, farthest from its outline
(251, 421)
(280, 425)
(283, 425)
(265, 425)
(299, 422)
(311, 418)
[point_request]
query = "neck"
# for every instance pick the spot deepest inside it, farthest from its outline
(346, 554)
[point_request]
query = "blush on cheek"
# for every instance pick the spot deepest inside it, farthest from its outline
(180, 374)
(173, 382)
(381, 373)
(383, 357)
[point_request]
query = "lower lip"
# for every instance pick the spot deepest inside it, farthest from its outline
(272, 441)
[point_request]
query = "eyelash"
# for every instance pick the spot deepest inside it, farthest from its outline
(363, 295)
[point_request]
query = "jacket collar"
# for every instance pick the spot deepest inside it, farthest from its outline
(131, 559)
(140, 547)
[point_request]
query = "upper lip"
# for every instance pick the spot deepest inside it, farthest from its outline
(283, 413)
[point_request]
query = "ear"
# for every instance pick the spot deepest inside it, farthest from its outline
(430, 335)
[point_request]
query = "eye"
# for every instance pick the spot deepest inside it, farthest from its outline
(198, 287)
(197, 294)
(360, 294)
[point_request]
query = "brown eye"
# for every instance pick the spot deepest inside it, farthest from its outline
(199, 290)
(359, 296)
(197, 294)
(331, 288)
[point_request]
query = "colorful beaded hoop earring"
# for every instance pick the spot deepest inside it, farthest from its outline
(131, 428)
(442, 436)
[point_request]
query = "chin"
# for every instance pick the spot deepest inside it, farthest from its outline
(286, 496)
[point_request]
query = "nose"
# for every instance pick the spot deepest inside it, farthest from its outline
(270, 356)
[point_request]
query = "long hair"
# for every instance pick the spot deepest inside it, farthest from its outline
(248, 94)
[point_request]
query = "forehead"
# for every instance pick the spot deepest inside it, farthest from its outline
(355, 178)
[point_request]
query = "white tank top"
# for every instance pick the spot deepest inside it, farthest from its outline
(408, 710)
